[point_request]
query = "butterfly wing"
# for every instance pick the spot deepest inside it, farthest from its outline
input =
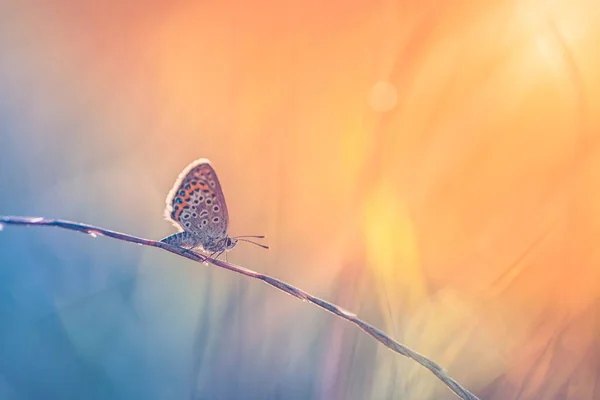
(196, 202)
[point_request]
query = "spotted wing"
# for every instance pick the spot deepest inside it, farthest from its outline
(196, 202)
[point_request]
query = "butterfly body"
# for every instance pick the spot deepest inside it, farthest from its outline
(188, 240)
(196, 205)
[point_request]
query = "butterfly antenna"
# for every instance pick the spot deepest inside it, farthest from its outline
(257, 244)
(250, 236)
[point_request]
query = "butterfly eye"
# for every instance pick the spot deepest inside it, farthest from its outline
(228, 242)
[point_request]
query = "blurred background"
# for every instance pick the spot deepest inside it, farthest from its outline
(429, 165)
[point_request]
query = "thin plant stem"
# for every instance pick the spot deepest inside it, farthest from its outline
(377, 334)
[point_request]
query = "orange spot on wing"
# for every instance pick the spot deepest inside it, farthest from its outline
(180, 206)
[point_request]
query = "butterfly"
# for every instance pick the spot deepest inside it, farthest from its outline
(196, 205)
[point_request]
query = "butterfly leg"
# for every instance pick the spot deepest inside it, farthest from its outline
(196, 254)
(212, 255)
(221, 252)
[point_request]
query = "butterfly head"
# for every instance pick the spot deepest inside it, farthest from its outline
(230, 243)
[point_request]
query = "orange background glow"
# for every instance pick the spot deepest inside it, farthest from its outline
(429, 165)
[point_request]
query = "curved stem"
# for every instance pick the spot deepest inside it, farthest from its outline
(287, 288)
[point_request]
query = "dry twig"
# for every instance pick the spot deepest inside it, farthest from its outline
(289, 289)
